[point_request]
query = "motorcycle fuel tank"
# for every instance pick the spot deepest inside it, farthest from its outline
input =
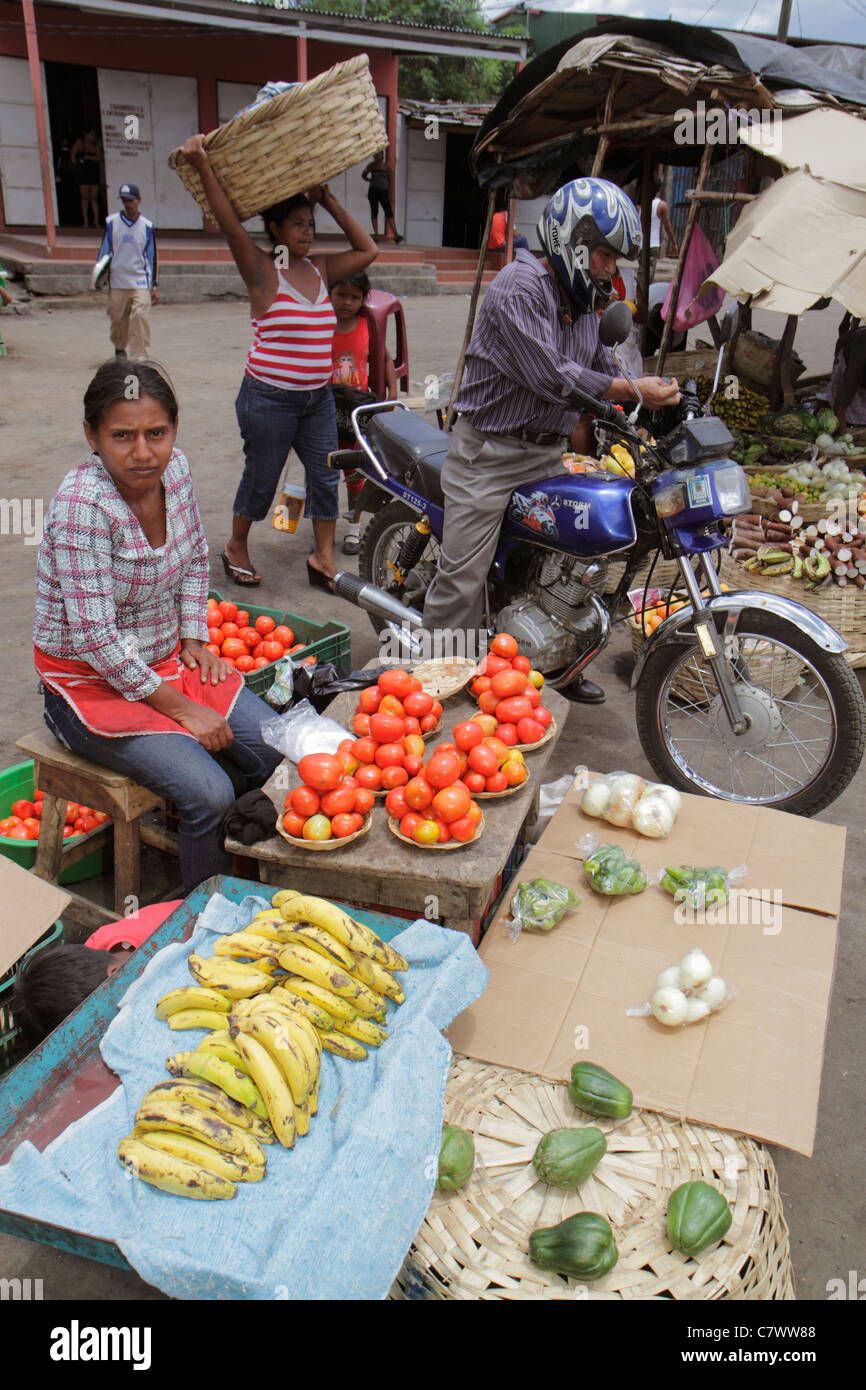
(582, 513)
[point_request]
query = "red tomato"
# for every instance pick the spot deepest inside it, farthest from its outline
(442, 769)
(229, 661)
(20, 831)
(542, 716)
(232, 648)
(22, 809)
(396, 804)
(338, 802)
(369, 699)
(418, 793)
(31, 825)
(462, 829)
(467, 735)
(429, 723)
(418, 703)
(264, 624)
(283, 634)
(487, 702)
(389, 754)
(242, 618)
(68, 833)
(369, 776)
(437, 710)
(322, 771)
(230, 630)
(101, 817)
(304, 801)
(504, 645)
(533, 696)
(317, 828)
(361, 724)
(451, 803)
(364, 749)
(7, 823)
(293, 824)
(349, 762)
(521, 663)
(414, 683)
(228, 609)
(480, 684)
(245, 663)
(474, 781)
(394, 777)
(444, 832)
(87, 823)
(509, 711)
(364, 801)
(408, 824)
(413, 743)
(216, 636)
(492, 665)
(73, 811)
(212, 648)
(426, 832)
(411, 725)
(488, 722)
(497, 783)
(413, 763)
(508, 735)
(499, 747)
(345, 824)
(256, 651)
(508, 683)
(249, 637)
(396, 682)
(258, 662)
(389, 704)
(38, 796)
(272, 650)
(483, 760)
(529, 730)
(515, 773)
(386, 728)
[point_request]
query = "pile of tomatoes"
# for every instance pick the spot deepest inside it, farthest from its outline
(23, 823)
(436, 805)
(329, 803)
(508, 690)
(390, 720)
(492, 767)
(244, 645)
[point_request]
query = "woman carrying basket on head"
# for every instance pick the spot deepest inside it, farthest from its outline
(285, 399)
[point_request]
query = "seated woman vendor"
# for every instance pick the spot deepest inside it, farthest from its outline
(847, 390)
(120, 630)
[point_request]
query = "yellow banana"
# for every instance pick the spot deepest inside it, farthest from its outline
(371, 973)
(240, 944)
(322, 941)
(270, 931)
(343, 1046)
(236, 1083)
(272, 1087)
(333, 1005)
(299, 1021)
(300, 959)
(190, 1120)
(302, 1117)
(363, 1030)
(205, 1096)
(230, 977)
(313, 1097)
(197, 1018)
(221, 1044)
(273, 1032)
(319, 1017)
(318, 912)
(174, 1064)
(270, 915)
(172, 1174)
(193, 997)
(285, 895)
(223, 1164)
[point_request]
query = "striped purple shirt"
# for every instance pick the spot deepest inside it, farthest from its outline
(522, 356)
(103, 594)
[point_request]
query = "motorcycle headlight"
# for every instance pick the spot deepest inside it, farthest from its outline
(670, 500)
(732, 489)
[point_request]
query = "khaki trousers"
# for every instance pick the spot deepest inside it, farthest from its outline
(129, 312)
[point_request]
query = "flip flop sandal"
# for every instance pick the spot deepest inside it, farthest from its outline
(247, 579)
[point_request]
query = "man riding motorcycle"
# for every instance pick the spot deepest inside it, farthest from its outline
(537, 334)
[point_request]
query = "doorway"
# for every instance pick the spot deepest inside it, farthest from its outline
(464, 204)
(72, 94)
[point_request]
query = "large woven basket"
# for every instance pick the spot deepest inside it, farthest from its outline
(843, 608)
(474, 1243)
(294, 141)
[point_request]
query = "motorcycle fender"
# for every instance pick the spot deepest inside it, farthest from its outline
(821, 633)
(371, 498)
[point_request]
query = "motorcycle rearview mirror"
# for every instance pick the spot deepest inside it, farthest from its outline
(726, 330)
(615, 324)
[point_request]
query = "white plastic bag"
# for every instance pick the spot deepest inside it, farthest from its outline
(301, 730)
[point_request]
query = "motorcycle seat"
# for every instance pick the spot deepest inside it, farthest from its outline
(412, 449)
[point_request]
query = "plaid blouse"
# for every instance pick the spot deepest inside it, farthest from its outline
(103, 594)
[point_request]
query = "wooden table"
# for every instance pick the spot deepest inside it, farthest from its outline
(454, 887)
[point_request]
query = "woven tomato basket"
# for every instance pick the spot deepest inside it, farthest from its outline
(298, 139)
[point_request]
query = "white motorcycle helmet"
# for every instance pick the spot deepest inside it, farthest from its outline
(580, 216)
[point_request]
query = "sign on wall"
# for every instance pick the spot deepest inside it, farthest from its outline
(144, 117)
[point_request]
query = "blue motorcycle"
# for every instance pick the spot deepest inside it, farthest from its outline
(745, 695)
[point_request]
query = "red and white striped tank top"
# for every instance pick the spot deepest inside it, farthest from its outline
(292, 341)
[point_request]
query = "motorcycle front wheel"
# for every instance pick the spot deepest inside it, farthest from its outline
(381, 543)
(804, 709)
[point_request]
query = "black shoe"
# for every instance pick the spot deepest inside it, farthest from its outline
(584, 692)
(120, 352)
(318, 579)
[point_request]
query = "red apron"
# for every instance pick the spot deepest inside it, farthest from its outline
(104, 711)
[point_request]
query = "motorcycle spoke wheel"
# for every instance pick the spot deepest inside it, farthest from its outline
(804, 709)
(381, 542)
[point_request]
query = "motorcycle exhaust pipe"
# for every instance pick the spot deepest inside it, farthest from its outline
(375, 600)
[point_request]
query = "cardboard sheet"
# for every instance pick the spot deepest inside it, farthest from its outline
(828, 143)
(754, 1067)
(30, 907)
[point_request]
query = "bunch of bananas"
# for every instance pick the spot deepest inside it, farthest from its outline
(303, 976)
(742, 413)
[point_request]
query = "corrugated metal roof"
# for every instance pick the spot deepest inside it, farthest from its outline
(286, 8)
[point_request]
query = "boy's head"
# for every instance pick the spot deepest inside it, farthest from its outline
(347, 296)
(53, 982)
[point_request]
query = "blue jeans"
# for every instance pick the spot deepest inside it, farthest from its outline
(177, 767)
(272, 422)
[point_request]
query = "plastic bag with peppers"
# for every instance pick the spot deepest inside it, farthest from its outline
(540, 904)
(700, 888)
(609, 870)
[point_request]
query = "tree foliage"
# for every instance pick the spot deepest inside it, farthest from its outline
(433, 76)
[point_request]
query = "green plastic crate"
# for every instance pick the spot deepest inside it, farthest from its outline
(16, 783)
(325, 641)
(9, 1035)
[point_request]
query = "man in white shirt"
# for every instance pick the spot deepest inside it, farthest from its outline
(660, 219)
(130, 242)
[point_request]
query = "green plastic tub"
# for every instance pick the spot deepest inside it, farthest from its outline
(9, 1038)
(325, 641)
(17, 783)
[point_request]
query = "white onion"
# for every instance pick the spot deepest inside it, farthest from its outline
(595, 799)
(669, 1006)
(713, 992)
(696, 1009)
(695, 969)
(669, 979)
(625, 792)
(669, 794)
(653, 817)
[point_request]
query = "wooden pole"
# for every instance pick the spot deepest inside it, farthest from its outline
(646, 208)
(782, 389)
(681, 259)
(39, 112)
(604, 142)
(473, 305)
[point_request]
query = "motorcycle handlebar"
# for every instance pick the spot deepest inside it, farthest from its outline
(604, 410)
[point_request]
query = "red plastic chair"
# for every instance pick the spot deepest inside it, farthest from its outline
(378, 307)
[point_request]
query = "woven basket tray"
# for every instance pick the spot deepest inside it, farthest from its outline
(474, 1242)
(696, 682)
(665, 573)
(294, 141)
(844, 609)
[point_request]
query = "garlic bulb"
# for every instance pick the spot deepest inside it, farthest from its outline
(669, 979)
(670, 1006)
(713, 992)
(653, 817)
(596, 798)
(696, 1009)
(695, 969)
